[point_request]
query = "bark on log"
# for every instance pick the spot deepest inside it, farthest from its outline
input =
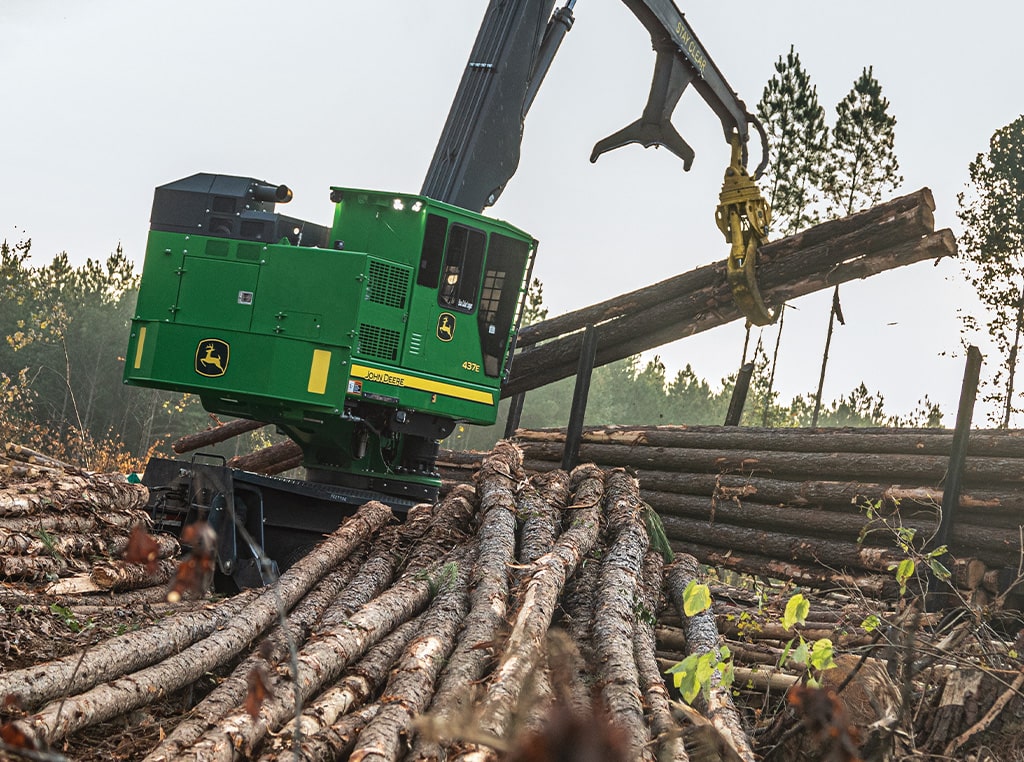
(97, 492)
(614, 617)
(543, 587)
(119, 576)
(231, 691)
(980, 470)
(411, 684)
(988, 508)
(780, 279)
(320, 662)
(268, 457)
(864, 224)
(359, 683)
(811, 574)
(58, 719)
(478, 641)
(664, 729)
(702, 637)
(55, 523)
(579, 601)
(1002, 443)
(782, 546)
(993, 546)
(132, 651)
(217, 434)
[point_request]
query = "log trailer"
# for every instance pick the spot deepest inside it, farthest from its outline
(367, 340)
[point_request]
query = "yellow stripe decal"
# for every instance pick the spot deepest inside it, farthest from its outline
(318, 371)
(422, 384)
(138, 348)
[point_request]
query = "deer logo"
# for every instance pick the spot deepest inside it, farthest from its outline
(212, 358)
(446, 326)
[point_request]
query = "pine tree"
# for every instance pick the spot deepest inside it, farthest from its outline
(797, 140)
(863, 164)
(992, 212)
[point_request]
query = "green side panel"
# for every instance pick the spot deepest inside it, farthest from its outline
(217, 292)
(161, 274)
(269, 371)
(309, 294)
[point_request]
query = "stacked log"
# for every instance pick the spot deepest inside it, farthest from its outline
(894, 234)
(59, 521)
(794, 503)
(405, 642)
(515, 614)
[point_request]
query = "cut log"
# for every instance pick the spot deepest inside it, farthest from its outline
(320, 662)
(664, 729)
(980, 470)
(702, 637)
(478, 642)
(231, 691)
(614, 616)
(217, 434)
(111, 659)
(267, 458)
(411, 684)
(1002, 443)
(113, 698)
(873, 226)
(118, 576)
(781, 280)
(542, 589)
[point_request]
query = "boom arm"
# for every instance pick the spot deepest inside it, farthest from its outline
(479, 147)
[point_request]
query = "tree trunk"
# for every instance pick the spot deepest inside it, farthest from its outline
(864, 224)
(541, 591)
(479, 640)
(701, 638)
(267, 458)
(979, 470)
(781, 280)
(664, 729)
(615, 617)
(58, 719)
(320, 662)
(220, 433)
(119, 576)
(411, 684)
(231, 691)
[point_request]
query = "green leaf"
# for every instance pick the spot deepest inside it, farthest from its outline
(684, 677)
(940, 571)
(797, 609)
(800, 653)
(785, 653)
(904, 572)
(696, 598)
(821, 655)
(870, 623)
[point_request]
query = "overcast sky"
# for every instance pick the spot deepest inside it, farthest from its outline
(107, 99)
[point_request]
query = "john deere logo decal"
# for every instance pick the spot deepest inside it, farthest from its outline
(446, 326)
(212, 358)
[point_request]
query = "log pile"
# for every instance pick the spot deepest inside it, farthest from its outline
(409, 641)
(59, 521)
(518, 617)
(893, 234)
(819, 507)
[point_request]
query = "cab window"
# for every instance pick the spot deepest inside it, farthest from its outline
(463, 263)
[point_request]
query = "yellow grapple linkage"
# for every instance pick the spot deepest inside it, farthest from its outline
(743, 217)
